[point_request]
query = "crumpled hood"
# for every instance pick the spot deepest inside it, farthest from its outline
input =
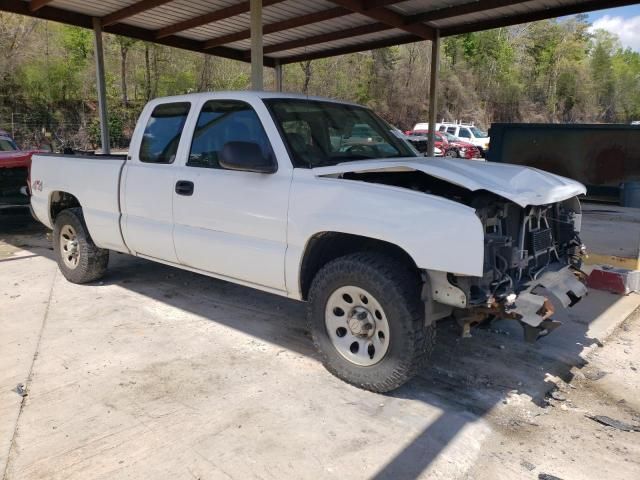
(522, 185)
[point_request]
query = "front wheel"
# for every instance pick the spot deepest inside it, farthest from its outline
(367, 321)
(79, 259)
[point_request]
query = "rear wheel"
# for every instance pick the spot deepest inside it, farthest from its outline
(367, 321)
(79, 259)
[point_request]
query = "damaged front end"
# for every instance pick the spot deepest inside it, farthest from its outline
(531, 222)
(532, 254)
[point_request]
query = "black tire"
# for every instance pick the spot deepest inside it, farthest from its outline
(451, 153)
(397, 290)
(91, 260)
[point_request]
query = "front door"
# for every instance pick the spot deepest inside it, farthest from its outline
(233, 223)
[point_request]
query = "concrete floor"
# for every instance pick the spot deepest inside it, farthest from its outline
(159, 373)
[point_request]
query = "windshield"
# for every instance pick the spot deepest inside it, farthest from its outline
(7, 145)
(319, 134)
(450, 137)
(477, 132)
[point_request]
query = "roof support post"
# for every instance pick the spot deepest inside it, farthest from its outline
(100, 86)
(278, 72)
(433, 92)
(257, 60)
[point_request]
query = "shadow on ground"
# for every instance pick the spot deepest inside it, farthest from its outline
(467, 378)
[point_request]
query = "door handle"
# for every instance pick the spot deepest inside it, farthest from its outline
(184, 187)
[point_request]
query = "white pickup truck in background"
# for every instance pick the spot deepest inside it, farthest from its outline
(277, 192)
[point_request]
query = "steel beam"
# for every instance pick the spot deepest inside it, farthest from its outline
(211, 17)
(332, 52)
(328, 37)
(463, 9)
(372, 8)
(336, 12)
(257, 68)
(387, 16)
(85, 21)
(287, 24)
(433, 92)
(38, 4)
(131, 10)
(101, 87)
(502, 21)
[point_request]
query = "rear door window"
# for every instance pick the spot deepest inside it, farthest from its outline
(464, 133)
(451, 130)
(163, 131)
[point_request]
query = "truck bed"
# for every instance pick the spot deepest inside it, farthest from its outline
(94, 180)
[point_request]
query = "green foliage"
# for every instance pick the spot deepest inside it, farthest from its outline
(548, 71)
(46, 82)
(117, 122)
(77, 42)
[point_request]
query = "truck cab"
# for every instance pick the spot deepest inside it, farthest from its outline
(276, 192)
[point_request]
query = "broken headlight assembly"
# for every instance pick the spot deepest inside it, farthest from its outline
(531, 254)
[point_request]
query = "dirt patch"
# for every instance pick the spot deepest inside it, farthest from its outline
(563, 438)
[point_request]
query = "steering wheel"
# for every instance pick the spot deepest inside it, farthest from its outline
(368, 150)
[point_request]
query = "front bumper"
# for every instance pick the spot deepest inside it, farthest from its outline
(532, 307)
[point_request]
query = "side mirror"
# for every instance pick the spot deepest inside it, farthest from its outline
(246, 157)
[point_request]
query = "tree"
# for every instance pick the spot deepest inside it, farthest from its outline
(548, 71)
(306, 69)
(125, 45)
(603, 75)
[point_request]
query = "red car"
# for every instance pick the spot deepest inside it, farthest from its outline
(440, 142)
(451, 145)
(460, 148)
(14, 172)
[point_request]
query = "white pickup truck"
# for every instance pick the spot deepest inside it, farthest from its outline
(274, 192)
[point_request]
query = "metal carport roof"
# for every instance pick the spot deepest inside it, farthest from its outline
(297, 30)
(277, 32)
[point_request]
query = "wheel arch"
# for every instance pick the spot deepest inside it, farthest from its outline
(59, 201)
(326, 246)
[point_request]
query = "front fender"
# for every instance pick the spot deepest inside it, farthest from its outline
(437, 233)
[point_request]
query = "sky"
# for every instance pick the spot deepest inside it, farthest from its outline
(623, 21)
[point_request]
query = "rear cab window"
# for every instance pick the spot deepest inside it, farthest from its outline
(162, 133)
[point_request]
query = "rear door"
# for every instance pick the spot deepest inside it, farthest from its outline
(233, 223)
(148, 182)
